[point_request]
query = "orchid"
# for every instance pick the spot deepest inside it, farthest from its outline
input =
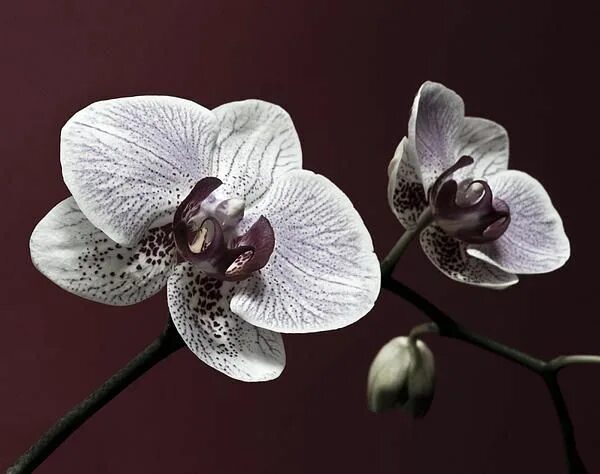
(214, 205)
(479, 222)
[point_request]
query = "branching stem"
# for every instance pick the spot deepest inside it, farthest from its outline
(448, 327)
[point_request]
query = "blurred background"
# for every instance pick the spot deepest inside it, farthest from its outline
(347, 72)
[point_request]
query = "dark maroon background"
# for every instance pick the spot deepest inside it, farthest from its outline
(347, 72)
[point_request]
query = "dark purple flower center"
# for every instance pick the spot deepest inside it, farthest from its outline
(467, 210)
(206, 230)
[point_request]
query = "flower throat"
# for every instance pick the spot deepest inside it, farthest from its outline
(467, 210)
(207, 230)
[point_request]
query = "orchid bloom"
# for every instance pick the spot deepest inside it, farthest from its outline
(214, 205)
(479, 222)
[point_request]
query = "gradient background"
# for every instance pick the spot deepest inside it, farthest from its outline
(347, 72)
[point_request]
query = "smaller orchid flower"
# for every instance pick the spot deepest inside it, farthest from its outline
(479, 222)
(215, 206)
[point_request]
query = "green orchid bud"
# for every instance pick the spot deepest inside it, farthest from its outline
(402, 375)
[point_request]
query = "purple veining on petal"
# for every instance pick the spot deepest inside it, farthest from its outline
(204, 231)
(468, 210)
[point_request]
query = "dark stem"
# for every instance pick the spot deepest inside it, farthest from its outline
(574, 463)
(450, 328)
(389, 262)
(164, 345)
(561, 362)
(547, 370)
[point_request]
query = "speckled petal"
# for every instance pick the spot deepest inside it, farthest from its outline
(405, 191)
(80, 258)
(435, 123)
(128, 162)
(323, 273)
(535, 241)
(257, 142)
(199, 307)
(450, 257)
(487, 143)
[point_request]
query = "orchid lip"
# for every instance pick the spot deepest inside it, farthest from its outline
(206, 230)
(468, 210)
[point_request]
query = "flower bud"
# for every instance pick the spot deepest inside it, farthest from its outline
(402, 375)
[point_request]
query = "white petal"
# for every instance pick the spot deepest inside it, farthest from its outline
(80, 258)
(435, 123)
(323, 273)
(199, 306)
(405, 191)
(487, 143)
(257, 142)
(535, 241)
(450, 257)
(128, 162)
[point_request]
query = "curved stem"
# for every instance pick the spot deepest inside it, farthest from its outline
(548, 370)
(389, 262)
(426, 328)
(447, 327)
(167, 343)
(574, 463)
(561, 362)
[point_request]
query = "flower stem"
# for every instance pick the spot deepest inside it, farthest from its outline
(563, 361)
(547, 370)
(389, 262)
(168, 342)
(451, 329)
(447, 327)
(574, 463)
(422, 329)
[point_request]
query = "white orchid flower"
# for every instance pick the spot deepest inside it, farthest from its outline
(488, 223)
(214, 205)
